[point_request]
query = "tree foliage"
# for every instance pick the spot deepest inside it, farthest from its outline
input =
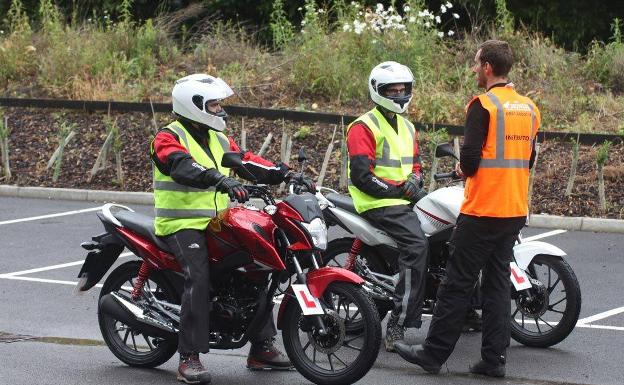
(572, 24)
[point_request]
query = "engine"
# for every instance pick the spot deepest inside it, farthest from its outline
(234, 305)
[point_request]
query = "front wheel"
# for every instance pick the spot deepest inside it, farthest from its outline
(337, 357)
(548, 315)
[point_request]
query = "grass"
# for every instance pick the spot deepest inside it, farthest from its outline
(324, 61)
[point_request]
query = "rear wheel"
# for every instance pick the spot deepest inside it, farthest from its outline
(337, 357)
(130, 345)
(549, 315)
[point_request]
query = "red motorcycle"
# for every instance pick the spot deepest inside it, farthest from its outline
(253, 255)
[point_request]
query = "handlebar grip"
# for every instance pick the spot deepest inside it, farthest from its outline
(445, 175)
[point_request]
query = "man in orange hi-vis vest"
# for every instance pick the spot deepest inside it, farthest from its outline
(497, 153)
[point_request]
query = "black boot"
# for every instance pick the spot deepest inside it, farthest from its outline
(489, 369)
(394, 332)
(417, 355)
(473, 322)
(191, 369)
(264, 355)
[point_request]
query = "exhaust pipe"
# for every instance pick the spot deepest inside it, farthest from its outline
(123, 310)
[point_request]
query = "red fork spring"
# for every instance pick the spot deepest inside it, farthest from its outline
(144, 272)
(353, 253)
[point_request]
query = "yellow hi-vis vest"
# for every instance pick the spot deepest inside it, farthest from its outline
(180, 207)
(394, 157)
(501, 184)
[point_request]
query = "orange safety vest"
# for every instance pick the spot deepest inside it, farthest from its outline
(500, 186)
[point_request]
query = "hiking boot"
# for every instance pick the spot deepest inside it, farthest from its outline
(417, 355)
(394, 332)
(264, 355)
(472, 322)
(489, 369)
(191, 369)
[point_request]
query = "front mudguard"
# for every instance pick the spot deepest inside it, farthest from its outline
(525, 252)
(317, 281)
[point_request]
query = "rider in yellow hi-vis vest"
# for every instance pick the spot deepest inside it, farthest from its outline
(384, 178)
(190, 187)
(498, 151)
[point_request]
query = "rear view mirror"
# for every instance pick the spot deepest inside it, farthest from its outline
(445, 149)
(302, 156)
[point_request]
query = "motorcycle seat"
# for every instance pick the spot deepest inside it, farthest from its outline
(342, 201)
(142, 225)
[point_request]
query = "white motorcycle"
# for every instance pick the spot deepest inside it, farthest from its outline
(545, 293)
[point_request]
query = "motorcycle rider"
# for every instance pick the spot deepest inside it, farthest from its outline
(190, 187)
(498, 151)
(384, 178)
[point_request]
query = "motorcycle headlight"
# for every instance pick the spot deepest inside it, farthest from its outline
(318, 232)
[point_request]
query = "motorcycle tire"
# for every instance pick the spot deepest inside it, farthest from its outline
(296, 326)
(158, 350)
(342, 246)
(529, 332)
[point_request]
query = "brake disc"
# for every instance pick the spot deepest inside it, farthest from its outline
(331, 342)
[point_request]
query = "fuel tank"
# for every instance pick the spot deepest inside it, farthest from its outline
(243, 229)
(439, 209)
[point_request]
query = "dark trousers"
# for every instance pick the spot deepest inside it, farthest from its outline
(189, 247)
(402, 224)
(478, 243)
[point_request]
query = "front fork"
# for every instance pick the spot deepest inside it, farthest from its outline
(301, 279)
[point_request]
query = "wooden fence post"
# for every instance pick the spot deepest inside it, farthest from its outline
(328, 152)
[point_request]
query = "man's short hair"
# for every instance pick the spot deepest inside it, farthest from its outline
(498, 54)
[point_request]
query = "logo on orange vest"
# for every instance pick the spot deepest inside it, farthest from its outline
(516, 106)
(517, 137)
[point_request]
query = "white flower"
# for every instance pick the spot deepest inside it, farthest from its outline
(360, 13)
(431, 16)
(449, 5)
(299, 9)
(374, 41)
(399, 26)
(379, 7)
(438, 20)
(346, 27)
(440, 34)
(456, 16)
(321, 10)
(303, 22)
(450, 33)
(442, 8)
(412, 19)
(427, 24)
(390, 9)
(406, 8)
(404, 32)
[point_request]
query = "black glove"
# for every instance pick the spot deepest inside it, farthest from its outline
(234, 189)
(302, 183)
(412, 187)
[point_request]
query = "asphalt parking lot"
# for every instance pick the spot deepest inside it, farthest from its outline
(49, 334)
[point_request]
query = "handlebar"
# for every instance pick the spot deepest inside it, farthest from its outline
(446, 175)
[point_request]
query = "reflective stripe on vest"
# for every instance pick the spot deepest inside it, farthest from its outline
(180, 207)
(499, 188)
(394, 155)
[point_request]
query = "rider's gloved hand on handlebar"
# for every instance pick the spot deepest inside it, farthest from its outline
(304, 183)
(234, 189)
(412, 187)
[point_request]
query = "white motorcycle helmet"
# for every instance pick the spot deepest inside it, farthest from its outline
(387, 73)
(191, 95)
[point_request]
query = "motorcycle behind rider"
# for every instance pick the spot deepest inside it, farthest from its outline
(384, 179)
(190, 187)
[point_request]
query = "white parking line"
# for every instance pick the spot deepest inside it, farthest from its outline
(543, 235)
(50, 215)
(602, 315)
(53, 267)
